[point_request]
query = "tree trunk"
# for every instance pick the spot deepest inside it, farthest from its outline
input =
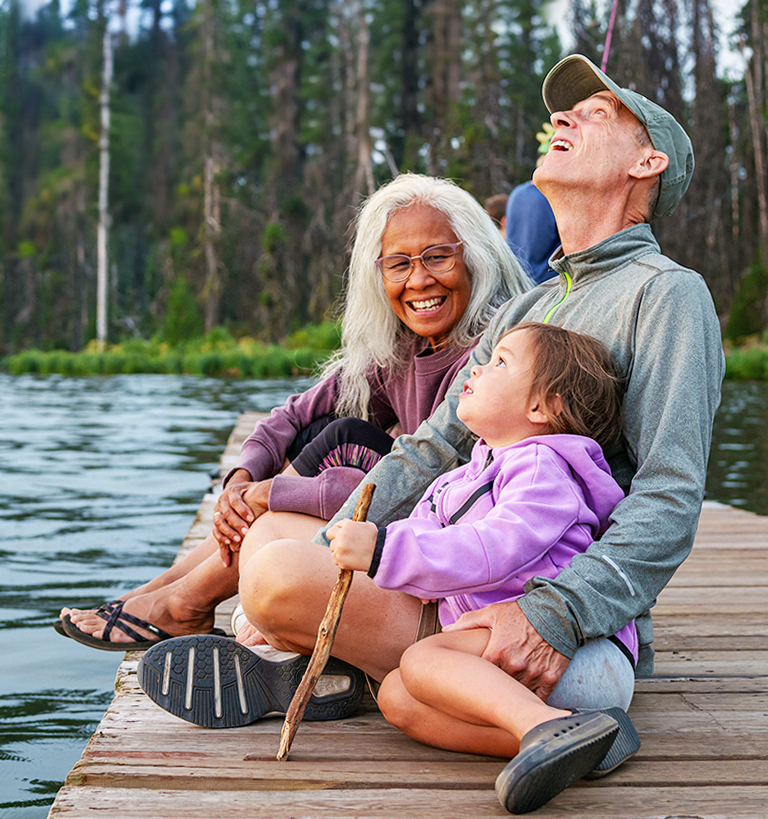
(754, 82)
(445, 50)
(364, 166)
(102, 263)
(734, 177)
(212, 229)
(211, 193)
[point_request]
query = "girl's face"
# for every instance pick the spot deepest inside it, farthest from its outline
(430, 304)
(496, 402)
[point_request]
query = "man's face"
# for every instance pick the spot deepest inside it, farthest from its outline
(594, 146)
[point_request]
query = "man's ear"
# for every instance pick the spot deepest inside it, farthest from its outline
(654, 163)
(536, 413)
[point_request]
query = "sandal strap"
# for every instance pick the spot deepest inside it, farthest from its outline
(117, 618)
(107, 608)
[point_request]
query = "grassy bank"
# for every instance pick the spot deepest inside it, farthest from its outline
(219, 354)
(215, 354)
(748, 362)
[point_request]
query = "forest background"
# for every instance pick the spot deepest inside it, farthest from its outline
(244, 135)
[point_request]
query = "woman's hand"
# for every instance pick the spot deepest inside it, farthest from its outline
(352, 544)
(236, 509)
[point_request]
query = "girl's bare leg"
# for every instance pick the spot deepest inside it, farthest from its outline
(285, 586)
(447, 695)
(432, 727)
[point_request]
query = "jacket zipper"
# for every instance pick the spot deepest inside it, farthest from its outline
(568, 286)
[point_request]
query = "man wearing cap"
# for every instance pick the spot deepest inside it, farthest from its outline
(616, 162)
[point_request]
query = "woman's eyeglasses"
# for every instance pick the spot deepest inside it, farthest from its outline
(437, 259)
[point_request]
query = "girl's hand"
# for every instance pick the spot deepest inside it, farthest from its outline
(353, 544)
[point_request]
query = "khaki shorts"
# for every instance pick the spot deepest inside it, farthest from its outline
(429, 622)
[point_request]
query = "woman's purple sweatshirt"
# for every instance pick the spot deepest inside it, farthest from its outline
(408, 397)
(483, 530)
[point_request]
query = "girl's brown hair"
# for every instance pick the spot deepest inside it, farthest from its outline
(578, 368)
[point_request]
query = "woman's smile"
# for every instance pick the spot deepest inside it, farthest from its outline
(430, 304)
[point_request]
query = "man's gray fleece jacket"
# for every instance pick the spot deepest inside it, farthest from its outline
(659, 323)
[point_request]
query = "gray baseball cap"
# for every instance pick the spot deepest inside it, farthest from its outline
(575, 78)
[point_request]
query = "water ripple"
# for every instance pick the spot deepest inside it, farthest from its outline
(100, 479)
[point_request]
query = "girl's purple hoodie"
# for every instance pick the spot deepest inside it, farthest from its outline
(483, 530)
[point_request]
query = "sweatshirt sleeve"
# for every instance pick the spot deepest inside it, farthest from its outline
(263, 451)
(440, 443)
(424, 558)
(321, 496)
(670, 403)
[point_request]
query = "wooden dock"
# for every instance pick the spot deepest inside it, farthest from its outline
(703, 722)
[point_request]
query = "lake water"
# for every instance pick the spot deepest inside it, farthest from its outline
(100, 480)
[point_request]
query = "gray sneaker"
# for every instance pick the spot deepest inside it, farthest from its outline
(218, 683)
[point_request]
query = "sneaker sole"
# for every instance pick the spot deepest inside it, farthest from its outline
(217, 683)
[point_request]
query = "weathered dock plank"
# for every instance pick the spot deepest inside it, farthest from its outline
(703, 722)
(629, 802)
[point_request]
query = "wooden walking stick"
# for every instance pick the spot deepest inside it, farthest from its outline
(324, 642)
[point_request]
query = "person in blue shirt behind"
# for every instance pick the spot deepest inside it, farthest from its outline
(530, 224)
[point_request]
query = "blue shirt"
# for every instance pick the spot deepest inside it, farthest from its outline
(532, 230)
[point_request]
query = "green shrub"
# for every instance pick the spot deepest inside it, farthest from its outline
(325, 336)
(273, 236)
(219, 338)
(27, 362)
(747, 364)
(182, 317)
(746, 316)
(215, 354)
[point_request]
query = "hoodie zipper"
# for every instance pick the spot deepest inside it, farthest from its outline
(568, 286)
(475, 496)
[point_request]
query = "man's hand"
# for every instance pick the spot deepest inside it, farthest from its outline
(353, 544)
(516, 647)
(236, 509)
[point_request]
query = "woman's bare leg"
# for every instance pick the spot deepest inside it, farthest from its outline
(285, 586)
(186, 604)
(447, 695)
(191, 560)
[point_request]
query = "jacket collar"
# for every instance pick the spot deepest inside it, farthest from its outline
(607, 256)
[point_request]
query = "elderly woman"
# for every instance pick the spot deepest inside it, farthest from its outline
(428, 270)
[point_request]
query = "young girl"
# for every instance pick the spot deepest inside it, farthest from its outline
(536, 492)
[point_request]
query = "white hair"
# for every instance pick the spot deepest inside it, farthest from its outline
(372, 335)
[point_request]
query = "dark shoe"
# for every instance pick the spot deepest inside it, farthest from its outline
(626, 745)
(218, 683)
(552, 756)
